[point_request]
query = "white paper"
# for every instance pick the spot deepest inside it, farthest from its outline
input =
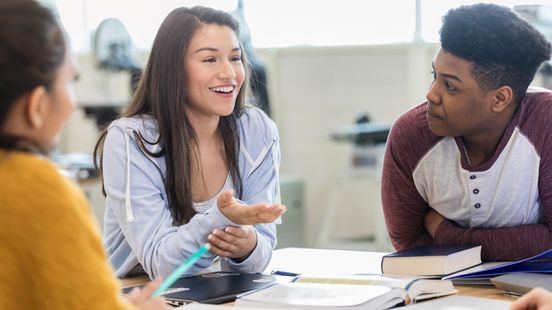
(322, 295)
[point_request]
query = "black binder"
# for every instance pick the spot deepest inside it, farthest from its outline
(214, 287)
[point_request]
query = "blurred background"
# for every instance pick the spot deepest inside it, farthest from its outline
(333, 75)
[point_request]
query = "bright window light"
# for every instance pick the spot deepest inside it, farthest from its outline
(433, 11)
(280, 23)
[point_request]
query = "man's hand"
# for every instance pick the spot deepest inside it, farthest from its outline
(234, 242)
(432, 221)
(243, 214)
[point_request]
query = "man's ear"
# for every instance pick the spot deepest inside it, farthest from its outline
(503, 97)
(36, 107)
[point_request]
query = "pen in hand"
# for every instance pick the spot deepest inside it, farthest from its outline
(178, 272)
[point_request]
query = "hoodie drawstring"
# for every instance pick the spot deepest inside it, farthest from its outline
(277, 173)
(128, 207)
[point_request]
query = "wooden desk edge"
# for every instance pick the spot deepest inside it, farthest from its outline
(133, 281)
(484, 292)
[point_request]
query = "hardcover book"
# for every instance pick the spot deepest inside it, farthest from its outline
(431, 260)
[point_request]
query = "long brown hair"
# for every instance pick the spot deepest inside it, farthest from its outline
(161, 93)
(32, 49)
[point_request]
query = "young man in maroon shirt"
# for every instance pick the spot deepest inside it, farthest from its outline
(473, 164)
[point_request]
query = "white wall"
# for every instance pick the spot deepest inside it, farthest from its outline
(93, 88)
(315, 90)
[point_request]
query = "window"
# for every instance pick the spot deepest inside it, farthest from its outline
(433, 11)
(345, 22)
(274, 23)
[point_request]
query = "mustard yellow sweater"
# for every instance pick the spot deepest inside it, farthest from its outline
(51, 256)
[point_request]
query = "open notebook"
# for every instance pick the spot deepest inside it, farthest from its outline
(351, 292)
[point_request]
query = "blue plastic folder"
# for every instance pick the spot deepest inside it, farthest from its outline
(541, 263)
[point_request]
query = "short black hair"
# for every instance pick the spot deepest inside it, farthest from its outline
(504, 48)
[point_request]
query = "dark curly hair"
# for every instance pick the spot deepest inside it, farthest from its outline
(504, 48)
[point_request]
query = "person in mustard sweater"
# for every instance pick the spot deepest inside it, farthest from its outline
(50, 250)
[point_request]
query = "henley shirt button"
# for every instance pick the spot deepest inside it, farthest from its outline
(477, 205)
(472, 177)
(476, 191)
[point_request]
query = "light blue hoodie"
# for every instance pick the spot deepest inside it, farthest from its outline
(138, 224)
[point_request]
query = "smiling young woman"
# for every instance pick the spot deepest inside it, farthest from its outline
(184, 146)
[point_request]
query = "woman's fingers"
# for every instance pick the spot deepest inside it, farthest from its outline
(237, 232)
(222, 242)
(235, 242)
(243, 214)
(140, 296)
(262, 213)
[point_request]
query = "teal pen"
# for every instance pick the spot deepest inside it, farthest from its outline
(175, 275)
